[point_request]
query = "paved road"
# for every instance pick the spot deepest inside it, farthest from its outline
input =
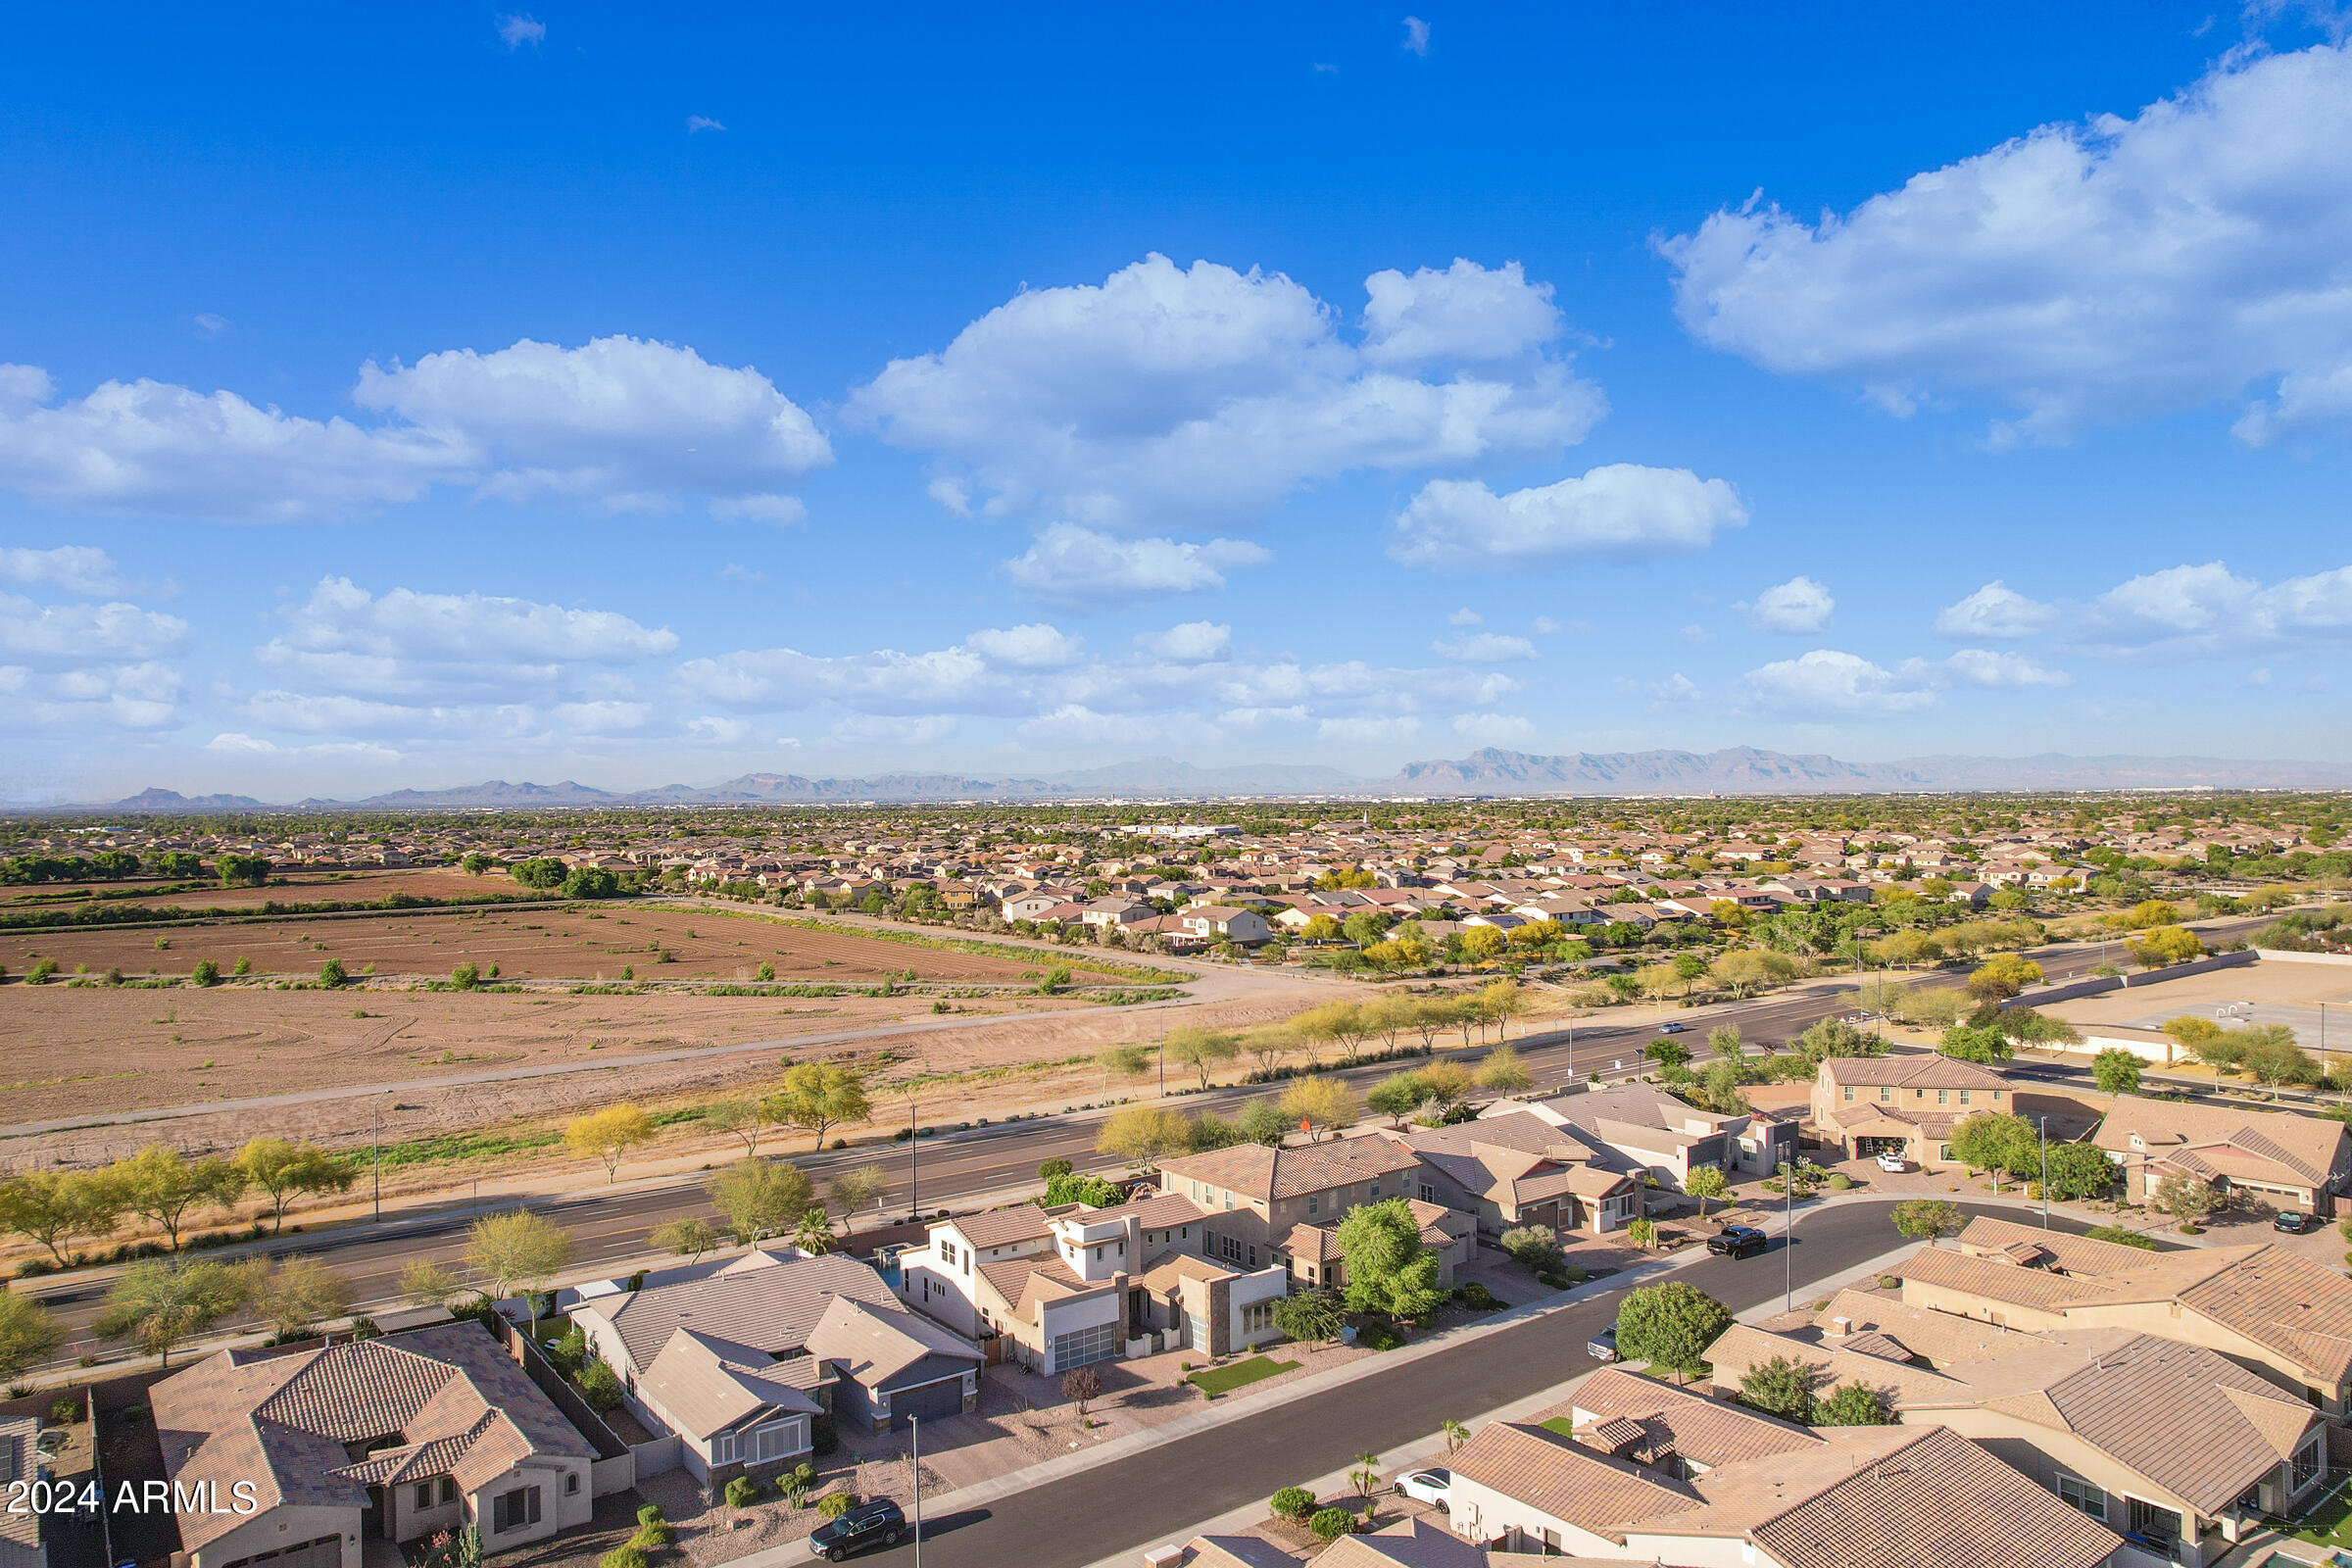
(956, 1166)
(1158, 1494)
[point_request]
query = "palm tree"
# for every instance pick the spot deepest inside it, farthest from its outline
(814, 1232)
(1456, 1434)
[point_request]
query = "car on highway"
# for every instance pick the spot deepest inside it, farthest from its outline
(1434, 1487)
(1890, 1162)
(878, 1523)
(1672, 1028)
(2291, 1221)
(1602, 1347)
(1738, 1241)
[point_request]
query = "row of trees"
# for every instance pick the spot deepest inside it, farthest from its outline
(166, 1188)
(814, 1096)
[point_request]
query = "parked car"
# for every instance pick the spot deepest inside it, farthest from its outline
(1890, 1162)
(1738, 1241)
(1602, 1347)
(2291, 1221)
(870, 1524)
(1433, 1486)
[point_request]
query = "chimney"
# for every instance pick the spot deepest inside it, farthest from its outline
(1841, 1327)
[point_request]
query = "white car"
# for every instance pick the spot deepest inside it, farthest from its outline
(1892, 1164)
(1433, 1486)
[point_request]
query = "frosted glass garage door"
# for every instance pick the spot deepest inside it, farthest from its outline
(1097, 1343)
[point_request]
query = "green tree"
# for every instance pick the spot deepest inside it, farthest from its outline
(1835, 1037)
(1261, 1121)
(159, 1305)
(2003, 975)
(1503, 1072)
(1997, 1142)
(1389, 1268)
(688, 1238)
(1397, 1096)
(1444, 1084)
(300, 1295)
(1928, 1220)
(1670, 1326)
(241, 870)
(1309, 1316)
(1203, 1050)
(330, 974)
(606, 1136)
(817, 1097)
(759, 1196)
(1129, 1060)
(1720, 1085)
(427, 1284)
(858, 1186)
(1780, 1386)
(1854, 1404)
(814, 1232)
(476, 863)
(284, 1169)
(1724, 1040)
(2079, 1171)
(1705, 1182)
(2116, 1071)
(160, 1184)
(2270, 1051)
(517, 1255)
(738, 1117)
(2166, 945)
(1668, 1052)
(53, 1208)
(2190, 1200)
(1534, 1248)
(1143, 1135)
(1978, 1042)
(28, 1335)
(542, 872)
(1319, 1104)
(2191, 1033)
(205, 975)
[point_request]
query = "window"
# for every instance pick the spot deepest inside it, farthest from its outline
(571, 1484)
(1429, 1194)
(1943, 1096)
(2145, 1518)
(1885, 1096)
(425, 1493)
(2308, 1463)
(1849, 1091)
(2084, 1496)
(514, 1509)
(449, 1488)
(947, 1252)
(1376, 1189)
(1964, 1094)
(1257, 1317)
(1996, 1097)
(1315, 1205)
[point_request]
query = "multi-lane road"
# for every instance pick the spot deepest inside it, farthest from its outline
(956, 1166)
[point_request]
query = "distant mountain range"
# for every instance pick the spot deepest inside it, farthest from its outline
(1733, 770)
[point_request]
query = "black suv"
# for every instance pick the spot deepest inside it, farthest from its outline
(870, 1524)
(1738, 1241)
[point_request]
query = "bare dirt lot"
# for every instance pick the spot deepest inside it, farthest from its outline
(571, 943)
(284, 886)
(2280, 991)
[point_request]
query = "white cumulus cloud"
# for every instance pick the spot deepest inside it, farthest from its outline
(1494, 729)
(1036, 645)
(1995, 610)
(1170, 394)
(2208, 609)
(1620, 510)
(1482, 648)
(1084, 567)
(2101, 270)
(1799, 605)
(1827, 682)
(1985, 667)
(83, 570)
(1192, 642)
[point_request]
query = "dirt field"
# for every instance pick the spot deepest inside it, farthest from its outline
(284, 886)
(576, 943)
(78, 1048)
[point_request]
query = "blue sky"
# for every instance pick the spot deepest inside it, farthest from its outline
(456, 392)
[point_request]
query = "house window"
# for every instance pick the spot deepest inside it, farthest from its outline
(2084, 1496)
(571, 1484)
(1943, 1096)
(1964, 1094)
(2145, 1518)
(1885, 1096)
(1849, 1091)
(1375, 1190)
(425, 1493)
(449, 1488)
(514, 1509)
(1315, 1205)
(1429, 1194)
(2308, 1463)
(1257, 1317)
(1996, 1097)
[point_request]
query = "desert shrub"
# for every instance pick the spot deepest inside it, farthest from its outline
(652, 1537)
(1379, 1337)
(742, 1492)
(622, 1556)
(1840, 1181)
(1477, 1297)
(833, 1504)
(651, 1514)
(601, 1387)
(1330, 1524)
(1294, 1502)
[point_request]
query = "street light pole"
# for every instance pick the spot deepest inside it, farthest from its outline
(914, 1429)
(915, 1166)
(1788, 1235)
(376, 1153)
(2043, 1124)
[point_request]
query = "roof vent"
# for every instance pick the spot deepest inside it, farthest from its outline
(1841, 1327)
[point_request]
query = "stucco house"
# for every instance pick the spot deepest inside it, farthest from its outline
(2288, 1162)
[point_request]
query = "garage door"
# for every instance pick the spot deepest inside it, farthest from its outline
(1097, 1343)
(931, 1404)
(324, 1552)
(1873, 1148)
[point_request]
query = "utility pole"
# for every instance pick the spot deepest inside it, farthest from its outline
(2043, 1124)
(375, 1151)
(915, 1430)
(915, 1166)
(1788, 1235)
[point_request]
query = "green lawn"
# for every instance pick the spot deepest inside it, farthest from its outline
(1560, 1424)
(2327, 1522)
(1225, 1378)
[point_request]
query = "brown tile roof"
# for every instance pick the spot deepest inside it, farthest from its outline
(19, 1461)
(2306, 1145)
(1912, 1072)
(771, 1306)
(449, 1397)
(873, 1346)
(1890, 1497)
(1668, 1419)
(706, 1385)
(1266, 1174)
(1002, 1227)
(1563, 1479)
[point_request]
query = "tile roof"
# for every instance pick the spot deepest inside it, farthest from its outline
(872, 1346)
(2306, 1145)
(1002, 1227)
(1912, 1072)
(20, 1460)
(1890, 1497)
(1266, 1174)
(1563, 1479)
(771, 1305)
(706, 1384)
(448, 1397)
(1666, 1419)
